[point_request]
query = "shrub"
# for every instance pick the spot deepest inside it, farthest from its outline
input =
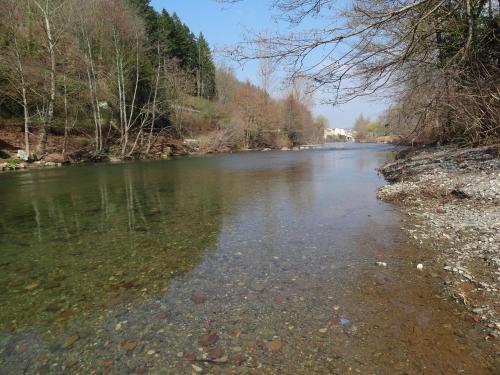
(12, 161)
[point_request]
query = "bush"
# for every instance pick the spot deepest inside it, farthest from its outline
(223, 140)
(12, 161)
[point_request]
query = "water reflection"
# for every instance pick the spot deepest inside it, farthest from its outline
(76, 241)
(82, 241)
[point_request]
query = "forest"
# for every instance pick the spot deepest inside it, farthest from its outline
(89, 79)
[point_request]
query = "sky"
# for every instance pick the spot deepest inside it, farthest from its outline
(225, 25)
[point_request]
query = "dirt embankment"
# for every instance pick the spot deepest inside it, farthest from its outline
(79, 148)
(453, 198)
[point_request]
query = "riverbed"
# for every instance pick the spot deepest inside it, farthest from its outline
(256, 262)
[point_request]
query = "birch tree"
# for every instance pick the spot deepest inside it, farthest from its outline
(47, 12)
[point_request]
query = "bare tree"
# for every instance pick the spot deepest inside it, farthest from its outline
(381, 46)
(47, 12)
(13, 56)
(155, 97)
(266, 71)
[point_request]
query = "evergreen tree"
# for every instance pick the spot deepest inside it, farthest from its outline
(205, 69)
(176, 41)
(165, 25)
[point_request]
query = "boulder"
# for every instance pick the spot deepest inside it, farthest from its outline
(21, 154)
(115, 159)
(166, 153)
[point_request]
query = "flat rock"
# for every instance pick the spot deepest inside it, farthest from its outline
(216, 353)
(199, 298)
(208, 339)
(274, 345)
(128, 345)
(257, 285)
(70, 341)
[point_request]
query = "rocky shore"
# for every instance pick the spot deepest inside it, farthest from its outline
(79, 150)
(452, 197)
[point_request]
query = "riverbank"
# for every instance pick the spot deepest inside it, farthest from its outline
(78, 149)
(452, 197)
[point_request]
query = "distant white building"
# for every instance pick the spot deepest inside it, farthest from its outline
(339, 132)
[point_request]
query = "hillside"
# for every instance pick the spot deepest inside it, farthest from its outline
(92, 80)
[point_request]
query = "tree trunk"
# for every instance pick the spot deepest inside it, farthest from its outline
(94, 98)
(25, 101)
(130, 120)
(65, 141)
(49, 115)
(26, 124)
(148, 149)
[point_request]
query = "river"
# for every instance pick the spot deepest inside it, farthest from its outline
(256, 262)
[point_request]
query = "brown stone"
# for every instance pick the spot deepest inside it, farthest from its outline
(128, 345)
(21, 348)
(105, 362)
(234, 333)
(189, 357)
(215, 353)
(273, 345)
(251, 296)
(237, 359)
(208, 339)
(278, 298)
(199, 298)
(67, 313)
(161, 316)
(70, 363)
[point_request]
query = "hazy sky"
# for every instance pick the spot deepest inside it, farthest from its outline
(226, 25)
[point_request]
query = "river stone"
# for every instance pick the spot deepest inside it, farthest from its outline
(189, 357)
(70, 341)
(273, 345)
(257, 285)
(197, 368)
(208, 339)
(198, 298)
(345, 322)
(237, 359)
(215, 353)
(128, 345)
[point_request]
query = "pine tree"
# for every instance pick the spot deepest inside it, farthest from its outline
(176, 41)
(205, 69)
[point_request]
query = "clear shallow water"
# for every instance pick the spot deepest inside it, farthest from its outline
(124, 268)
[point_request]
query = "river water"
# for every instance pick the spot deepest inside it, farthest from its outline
(261, 263)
